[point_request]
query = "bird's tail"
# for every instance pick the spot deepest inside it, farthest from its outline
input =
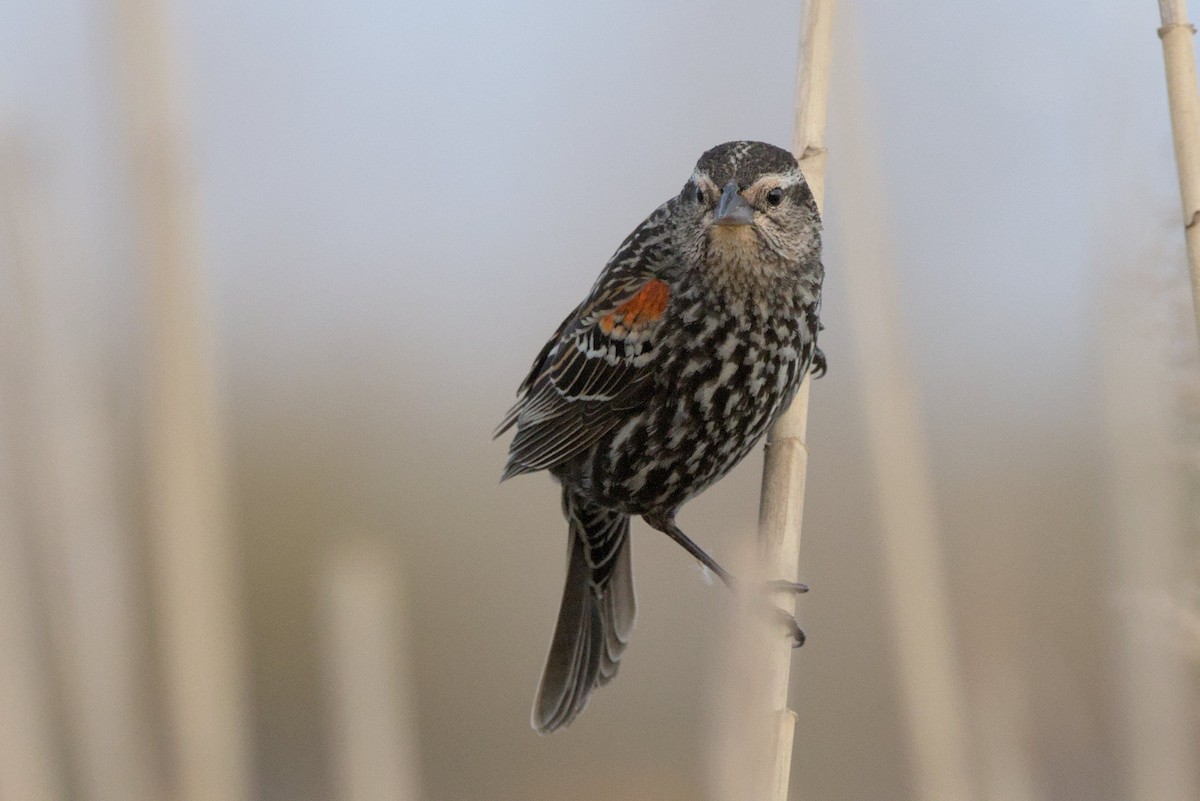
(597, 614)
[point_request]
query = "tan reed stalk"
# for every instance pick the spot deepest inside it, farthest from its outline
(191, 538)
(366, 657)
(918, 597)
(1179, 57)
(30, 765)
(61, 441)
(786, 461)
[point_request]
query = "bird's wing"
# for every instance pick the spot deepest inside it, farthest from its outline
(594, 369)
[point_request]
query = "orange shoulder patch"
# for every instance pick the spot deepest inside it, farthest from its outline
(645, 307)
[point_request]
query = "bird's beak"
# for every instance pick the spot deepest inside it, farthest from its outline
(732, 208)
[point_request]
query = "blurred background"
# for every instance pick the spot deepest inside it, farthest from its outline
(271, 272)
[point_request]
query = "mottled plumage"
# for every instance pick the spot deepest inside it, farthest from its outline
(693, 340)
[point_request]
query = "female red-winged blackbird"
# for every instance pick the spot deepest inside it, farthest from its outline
(693, 340)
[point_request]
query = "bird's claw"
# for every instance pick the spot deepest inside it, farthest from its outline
(819, 365)
(786, 618)
(794, 630)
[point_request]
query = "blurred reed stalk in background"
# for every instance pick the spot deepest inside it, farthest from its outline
(191, 533)
(30, 765)
(367, 660)
(757, 726)
(1153, 545)
(917, 589)
(61, 446)
(1180, 60)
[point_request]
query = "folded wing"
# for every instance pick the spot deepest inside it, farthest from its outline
(591, 374)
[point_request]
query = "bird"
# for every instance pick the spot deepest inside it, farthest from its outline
(691, 343)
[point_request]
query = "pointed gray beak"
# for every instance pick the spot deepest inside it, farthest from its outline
(732, 208)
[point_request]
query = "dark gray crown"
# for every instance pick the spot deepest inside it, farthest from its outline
(744, 162)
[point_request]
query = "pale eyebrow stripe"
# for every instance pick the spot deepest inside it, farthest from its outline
(784, 180)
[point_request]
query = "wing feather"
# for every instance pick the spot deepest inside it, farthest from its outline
(594, 369)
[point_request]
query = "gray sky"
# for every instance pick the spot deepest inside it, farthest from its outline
(430, 172)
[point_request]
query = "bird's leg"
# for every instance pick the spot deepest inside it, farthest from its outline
(666, 524)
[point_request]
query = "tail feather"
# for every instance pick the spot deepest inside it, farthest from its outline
(597, 614)
(619, 609)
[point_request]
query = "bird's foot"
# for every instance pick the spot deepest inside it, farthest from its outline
(819, 365)
(793, 628)
(786, 618)
(666, 524)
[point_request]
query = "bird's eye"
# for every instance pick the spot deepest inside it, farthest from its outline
(699, 194)
(775, 196)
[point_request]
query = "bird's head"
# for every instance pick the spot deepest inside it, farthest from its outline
(747, 206)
